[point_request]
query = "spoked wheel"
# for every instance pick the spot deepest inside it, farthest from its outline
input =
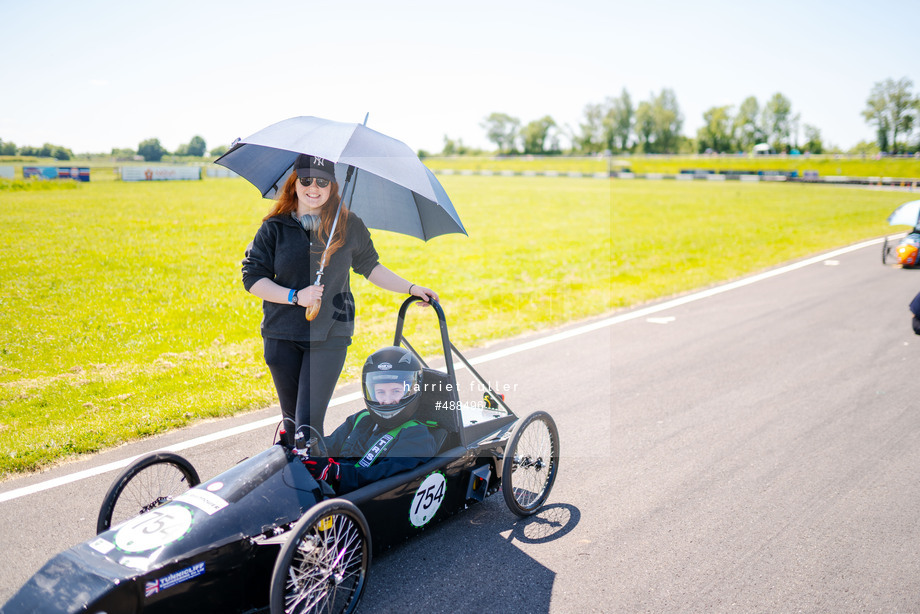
(323, 565)
(530, 464)
(149, 482)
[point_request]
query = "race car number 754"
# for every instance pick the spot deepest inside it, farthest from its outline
(427, 499)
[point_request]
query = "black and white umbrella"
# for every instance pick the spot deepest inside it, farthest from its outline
(393, 191)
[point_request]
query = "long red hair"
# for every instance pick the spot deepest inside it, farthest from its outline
(287, 204)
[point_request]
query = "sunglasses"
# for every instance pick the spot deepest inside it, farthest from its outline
(307, 181)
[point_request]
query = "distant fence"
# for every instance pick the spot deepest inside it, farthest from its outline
(220, 171)
(56, 172)
(160, 173)
(703, 175)
(506, 173)
(774, 176)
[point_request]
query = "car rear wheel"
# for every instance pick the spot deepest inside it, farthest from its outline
(149, 482)
(323, 565)
(530, 464)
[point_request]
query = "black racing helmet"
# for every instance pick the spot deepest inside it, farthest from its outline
(392, 380)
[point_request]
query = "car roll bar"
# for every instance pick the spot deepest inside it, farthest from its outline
(448, 348)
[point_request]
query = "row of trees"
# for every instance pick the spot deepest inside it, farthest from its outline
(893, 109)
(617, 125)
(654, 126)
(538, 136)
(151, 150)
(774, 124)
(47, 150)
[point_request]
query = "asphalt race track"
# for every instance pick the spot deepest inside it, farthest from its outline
(752, 450)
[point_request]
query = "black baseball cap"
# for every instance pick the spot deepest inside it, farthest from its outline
(314, 166)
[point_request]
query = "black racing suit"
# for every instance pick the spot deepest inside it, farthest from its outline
(356, 442)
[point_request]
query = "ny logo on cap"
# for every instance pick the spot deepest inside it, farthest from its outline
(317, 161)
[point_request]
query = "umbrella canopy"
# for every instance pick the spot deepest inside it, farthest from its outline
(394, 191)
(907, 214)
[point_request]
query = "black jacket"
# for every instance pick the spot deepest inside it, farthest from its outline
(413, 444)
(289, 255)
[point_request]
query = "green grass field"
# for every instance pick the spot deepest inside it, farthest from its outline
(122, 312)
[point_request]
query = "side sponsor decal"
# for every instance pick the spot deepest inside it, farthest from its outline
(161, 584)
(206, 501)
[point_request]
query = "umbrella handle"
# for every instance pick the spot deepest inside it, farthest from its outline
(313, 309)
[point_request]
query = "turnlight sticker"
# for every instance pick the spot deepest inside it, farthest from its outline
(166, 582)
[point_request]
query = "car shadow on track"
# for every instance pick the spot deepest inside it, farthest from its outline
(472, 562)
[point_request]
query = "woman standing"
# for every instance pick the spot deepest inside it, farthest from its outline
(306, 357)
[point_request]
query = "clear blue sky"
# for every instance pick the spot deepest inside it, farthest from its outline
(99, 74)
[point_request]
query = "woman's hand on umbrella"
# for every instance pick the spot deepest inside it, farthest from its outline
(310, 294)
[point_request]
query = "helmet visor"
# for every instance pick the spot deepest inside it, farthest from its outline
(390, 387)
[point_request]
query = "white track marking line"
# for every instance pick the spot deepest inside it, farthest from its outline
(516, 349)
(177, 447)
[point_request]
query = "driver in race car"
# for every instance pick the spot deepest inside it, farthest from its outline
(908, 249)
(383, 439)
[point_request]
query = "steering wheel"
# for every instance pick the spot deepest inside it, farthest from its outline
(317, 442)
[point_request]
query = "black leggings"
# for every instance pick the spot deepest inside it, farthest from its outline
(305, 375)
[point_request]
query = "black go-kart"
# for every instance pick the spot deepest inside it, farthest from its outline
(265, 536)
